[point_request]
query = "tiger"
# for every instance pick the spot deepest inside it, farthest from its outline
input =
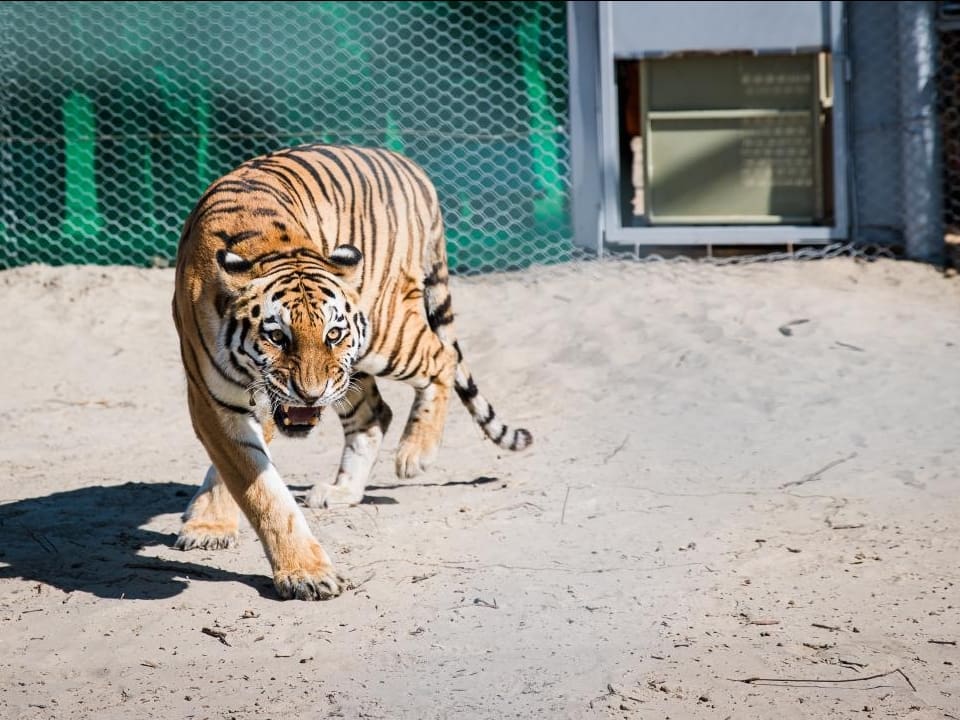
(302, 276)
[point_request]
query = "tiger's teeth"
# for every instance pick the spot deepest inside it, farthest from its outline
(313, 420)
(286, 421)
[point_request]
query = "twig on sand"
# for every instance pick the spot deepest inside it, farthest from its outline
(620, 447)
(218, 634)
(363, 582)
(166, 568)
(816, 475)
(44, 542)
(785, 328)
(613, 692)
(943, 642)
(754, 680)
(825, 627)
(421, 578)
(563, 512)
(851, 664)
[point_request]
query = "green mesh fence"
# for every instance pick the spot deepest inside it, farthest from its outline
(114, 116)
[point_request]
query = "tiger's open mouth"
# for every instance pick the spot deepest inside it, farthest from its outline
(294, 420)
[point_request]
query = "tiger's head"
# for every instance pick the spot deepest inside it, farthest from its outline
(292, 327)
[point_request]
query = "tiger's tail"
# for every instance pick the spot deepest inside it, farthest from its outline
(436, 294)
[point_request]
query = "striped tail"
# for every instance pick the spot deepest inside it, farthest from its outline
(483, 412)
(440, 316)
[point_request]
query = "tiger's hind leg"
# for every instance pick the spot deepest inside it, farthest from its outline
(430, 369)
(365, 418)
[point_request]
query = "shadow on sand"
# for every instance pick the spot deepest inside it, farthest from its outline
(90, 540)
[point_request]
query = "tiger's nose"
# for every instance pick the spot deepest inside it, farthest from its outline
(308, 397)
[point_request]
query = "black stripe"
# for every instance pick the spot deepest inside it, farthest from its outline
(232, 239)
(440, 315)
(288, 255)
(500, 436)
(231, 329)
(517, 434)
(311, 168)
(412, 356)
(281, 174)
(387, 201)
(408, 375)
(373, 173)
(350, 412)
(216, 208)
(199, 383)
(469, 392)
(283, 199)
(489, 418)
(339, 197)
(206, 350)
(244, 331)
(433, 278)
(306, 188)
(254, 446)
(235, 363)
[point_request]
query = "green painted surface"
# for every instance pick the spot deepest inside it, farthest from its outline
(117, 115)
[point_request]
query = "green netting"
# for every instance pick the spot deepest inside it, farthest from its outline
(114, 115)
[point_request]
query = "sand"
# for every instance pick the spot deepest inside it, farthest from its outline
(717, 491)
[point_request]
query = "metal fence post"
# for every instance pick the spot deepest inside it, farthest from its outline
(919, 145)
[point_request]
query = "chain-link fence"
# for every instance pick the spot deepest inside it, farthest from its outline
(949, 106)
(116, 115)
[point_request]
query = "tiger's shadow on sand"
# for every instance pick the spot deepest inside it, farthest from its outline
(90, 539)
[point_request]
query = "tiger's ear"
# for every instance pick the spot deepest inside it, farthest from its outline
(347, 262)
(232, 263)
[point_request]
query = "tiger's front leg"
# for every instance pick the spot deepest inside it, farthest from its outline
(237, 447)
(365, 418)
(211, 519)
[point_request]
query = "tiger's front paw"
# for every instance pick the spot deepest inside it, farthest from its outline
(323, 584)
(206, 535)
(323, 495)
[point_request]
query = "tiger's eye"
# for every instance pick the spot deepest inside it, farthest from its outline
(277, 337)
(334, 334)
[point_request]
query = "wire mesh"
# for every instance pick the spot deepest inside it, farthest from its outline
(949, 114)
(897, 135)
(115, 116)
(875, 122)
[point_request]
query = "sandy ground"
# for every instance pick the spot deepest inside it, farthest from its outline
(713, 495)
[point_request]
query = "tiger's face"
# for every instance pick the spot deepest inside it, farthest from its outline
(298, 333)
